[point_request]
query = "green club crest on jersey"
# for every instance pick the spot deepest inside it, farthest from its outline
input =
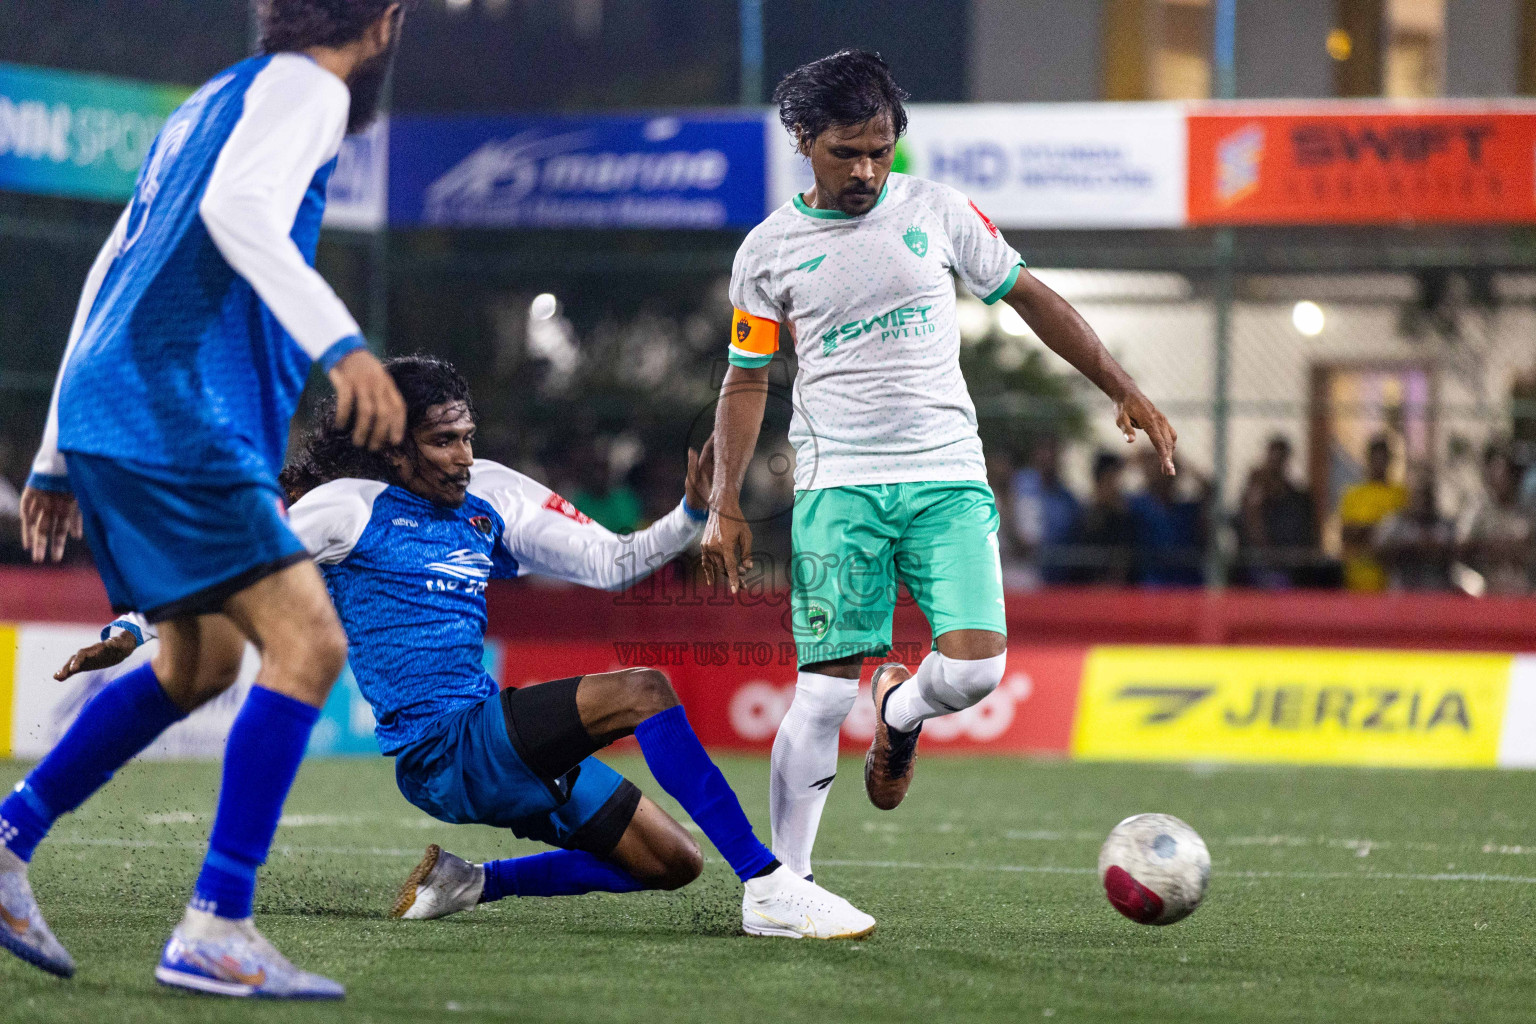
(917, 240)
(818, 618)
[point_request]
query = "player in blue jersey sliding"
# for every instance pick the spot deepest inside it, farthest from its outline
(408, 539)
(193, 338)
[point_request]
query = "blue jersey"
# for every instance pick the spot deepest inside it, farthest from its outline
(408, 578)
(199, 321)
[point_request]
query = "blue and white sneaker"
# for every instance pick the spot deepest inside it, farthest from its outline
(231, 958)
(22, 928)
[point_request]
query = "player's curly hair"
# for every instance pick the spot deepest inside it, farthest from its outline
(288, 25)
(326, 452)
(847, 88)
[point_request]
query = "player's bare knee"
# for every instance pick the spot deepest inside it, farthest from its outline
(650, 691)
(680, 864)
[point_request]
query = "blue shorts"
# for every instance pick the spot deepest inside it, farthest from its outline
(495, 762)
(169, 545)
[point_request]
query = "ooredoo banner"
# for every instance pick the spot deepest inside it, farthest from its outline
(1134, 703)
(1365, 165)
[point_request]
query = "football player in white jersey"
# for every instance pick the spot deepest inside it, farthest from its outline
(890, 483)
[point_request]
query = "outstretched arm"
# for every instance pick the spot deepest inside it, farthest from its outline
(549, 537)
(1066, 333)
(727, 544)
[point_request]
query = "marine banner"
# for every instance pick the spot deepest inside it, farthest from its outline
(666, 171)
(1291, 705)
(1362, 164)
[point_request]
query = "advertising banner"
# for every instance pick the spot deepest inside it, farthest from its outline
(1088, 165)
(1292, 705)
(737, 693)
(357, 198)
(1362, 166)
(77, 135)
(577, 172)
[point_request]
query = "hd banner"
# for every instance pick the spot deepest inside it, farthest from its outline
(1357, 164)
(82, 136)
(577, 172)
(1036, 165)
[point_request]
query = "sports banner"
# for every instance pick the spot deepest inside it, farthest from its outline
(1292, 705)
(1362, 165)
(1036, 165)
(577, 172)
(77, 135)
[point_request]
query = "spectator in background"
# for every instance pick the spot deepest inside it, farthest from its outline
(610, 503)
(1496, 536)
(1104, 534)
(1416, 544)
(1044, 514)
(1170, 524)
(1361, 510)
(1278, 524)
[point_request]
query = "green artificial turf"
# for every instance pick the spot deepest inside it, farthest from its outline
(1337, 895)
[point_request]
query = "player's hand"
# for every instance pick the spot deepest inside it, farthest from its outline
(102, 655)
(48, 518)
(701, 475)
(727, 546)
(366, 397)
(1136, 412)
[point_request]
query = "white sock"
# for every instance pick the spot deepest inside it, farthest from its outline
(942, 686)
(200, 924)
(804, 763)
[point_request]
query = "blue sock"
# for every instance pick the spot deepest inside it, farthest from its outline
(559, 873)
(266, 745)
(684, 770)
(117, 723)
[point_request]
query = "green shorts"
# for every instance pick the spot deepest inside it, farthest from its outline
(853, 544)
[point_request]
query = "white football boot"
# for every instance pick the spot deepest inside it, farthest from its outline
(784, 904)
(22, 928)
(441, 884)
(221, 957)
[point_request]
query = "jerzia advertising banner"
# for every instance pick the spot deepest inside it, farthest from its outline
(1362, 165)
(578, 172)
(77, 135)
(1292, 705)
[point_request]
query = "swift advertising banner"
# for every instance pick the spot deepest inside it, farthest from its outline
(1045, 165)
(1362, 165)
(77, 135)
(577, 172)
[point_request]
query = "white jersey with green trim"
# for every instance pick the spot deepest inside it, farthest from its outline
(870, 304)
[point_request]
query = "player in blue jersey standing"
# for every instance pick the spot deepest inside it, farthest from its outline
(194, 335)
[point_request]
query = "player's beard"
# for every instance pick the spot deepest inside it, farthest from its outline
(367, 88)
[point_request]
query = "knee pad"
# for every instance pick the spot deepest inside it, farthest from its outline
(825, 696)
(957, 685)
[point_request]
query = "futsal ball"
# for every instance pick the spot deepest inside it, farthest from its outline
(1154, 868)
